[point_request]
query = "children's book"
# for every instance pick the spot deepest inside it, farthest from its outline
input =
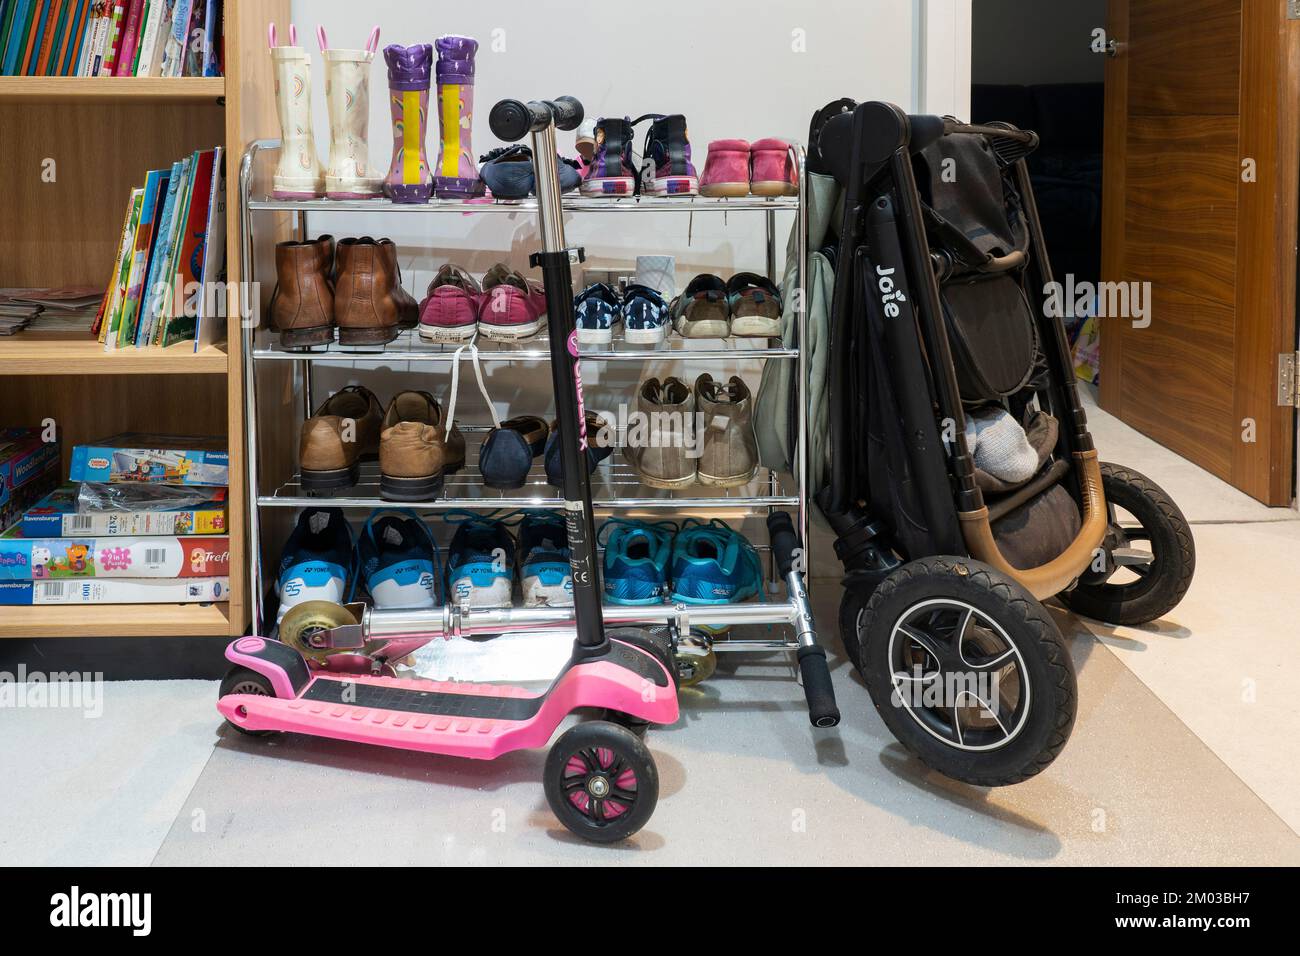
(212, 39)
(113, 314)
(103, 41)
(35, 30)
(125, 242)
(125, 60)
(146, 238)
(193, 63)
(77, 26)
(190, 265)
(11, 7)
(157, 261)
(17, 35)
(208, 328)
(177, 33)
(180, 217)
(113, 41)
(65, 55)
(54, 24)
(151, 40)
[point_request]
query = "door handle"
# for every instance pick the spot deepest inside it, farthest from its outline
(1112, 48)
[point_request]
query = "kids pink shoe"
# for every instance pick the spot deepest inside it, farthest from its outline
(726, 169)
(772, 170)
(449, 312)
(512, 307)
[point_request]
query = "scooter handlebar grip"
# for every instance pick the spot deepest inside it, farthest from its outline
(567, 111)
(817, 687)
(785, 542)
(512, 120)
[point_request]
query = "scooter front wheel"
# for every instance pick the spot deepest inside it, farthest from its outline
(601, 781)
(242, 680)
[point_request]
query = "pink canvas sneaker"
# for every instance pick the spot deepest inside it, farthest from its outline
(512, 307)
(772, 170)
(726, 169)
(449, 312)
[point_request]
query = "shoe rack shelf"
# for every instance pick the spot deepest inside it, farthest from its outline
(71, 149)
(284, 377)
(410, 347)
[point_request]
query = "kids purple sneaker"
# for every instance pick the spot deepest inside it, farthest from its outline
(611, 172)
(456, 176)
(666, 168)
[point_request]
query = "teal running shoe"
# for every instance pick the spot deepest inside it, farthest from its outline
(635, 569)
(712, 564)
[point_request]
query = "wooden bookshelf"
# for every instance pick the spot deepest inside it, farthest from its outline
(125, 620)
(103, 134)
(111, 89)
(73, 353)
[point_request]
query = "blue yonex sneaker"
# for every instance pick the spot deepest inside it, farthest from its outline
(635, 569)
(397, 562)
(544, 575)
(713, 565)
(645, 315)
(596, 310)
(480, 561)
(315, 560)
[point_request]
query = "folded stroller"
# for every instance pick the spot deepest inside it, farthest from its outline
(940, 313)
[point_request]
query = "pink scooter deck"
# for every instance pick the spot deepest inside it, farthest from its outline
(479, 721)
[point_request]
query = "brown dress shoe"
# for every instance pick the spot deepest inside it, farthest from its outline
(365, 309)
(408, 310)
(302, 306)
(416, 452)
(344, 431)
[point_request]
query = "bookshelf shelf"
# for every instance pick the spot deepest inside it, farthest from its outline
(77, 353)
(116, 620)
(115, 89)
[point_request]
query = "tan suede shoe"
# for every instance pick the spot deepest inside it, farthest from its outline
(661, 441)
(344, 430)
(415, 451)
(729, 456)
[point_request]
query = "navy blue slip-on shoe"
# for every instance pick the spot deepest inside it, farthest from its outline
(508, 171)
(596, 310)
(600, 442)
(645, 315)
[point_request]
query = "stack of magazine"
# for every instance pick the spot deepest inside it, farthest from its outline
(111, 38)
(166, 281)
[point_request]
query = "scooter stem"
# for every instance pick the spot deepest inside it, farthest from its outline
(557, 278)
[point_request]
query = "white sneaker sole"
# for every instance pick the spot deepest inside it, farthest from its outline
(704, 329)
(645, 336)
(595, 336)
(537, 594)
(510, 333)
(467, 594)
(748, 326)
(458, 334)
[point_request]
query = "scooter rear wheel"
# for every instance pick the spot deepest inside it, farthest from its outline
(601, 781)
(305, 620)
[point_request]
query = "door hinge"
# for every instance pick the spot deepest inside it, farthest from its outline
(1293, 9)
(1288, 379)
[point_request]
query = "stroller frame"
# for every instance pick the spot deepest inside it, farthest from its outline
(883, 142)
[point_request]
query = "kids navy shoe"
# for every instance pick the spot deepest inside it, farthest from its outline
(397, 561)
(600, 442)
(508, 172)
(645, 315)
(315, 560)
(597, 309)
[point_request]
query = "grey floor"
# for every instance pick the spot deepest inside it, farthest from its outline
(1183, 754)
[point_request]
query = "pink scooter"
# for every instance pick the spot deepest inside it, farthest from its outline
(600, 779)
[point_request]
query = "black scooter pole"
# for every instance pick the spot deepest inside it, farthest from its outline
(510, 121)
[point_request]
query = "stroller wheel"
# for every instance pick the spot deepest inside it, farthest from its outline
(967, 670)
(1150, 555)
(601, 781)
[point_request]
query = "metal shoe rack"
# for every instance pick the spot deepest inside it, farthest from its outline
(615, 486)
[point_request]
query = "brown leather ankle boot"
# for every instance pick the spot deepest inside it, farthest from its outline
(364, 306)
(302, 306)
(408, 310)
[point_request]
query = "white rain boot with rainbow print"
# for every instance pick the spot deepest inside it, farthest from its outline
(298, 174)
(347, 96)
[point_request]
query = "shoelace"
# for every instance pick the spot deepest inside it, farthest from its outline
(663, 528)
(455, 386)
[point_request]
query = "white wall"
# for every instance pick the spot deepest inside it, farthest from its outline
(735, 68)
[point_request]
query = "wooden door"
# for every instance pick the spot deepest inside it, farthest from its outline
(1202, 152)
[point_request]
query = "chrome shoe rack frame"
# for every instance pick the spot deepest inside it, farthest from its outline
(615, 485)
